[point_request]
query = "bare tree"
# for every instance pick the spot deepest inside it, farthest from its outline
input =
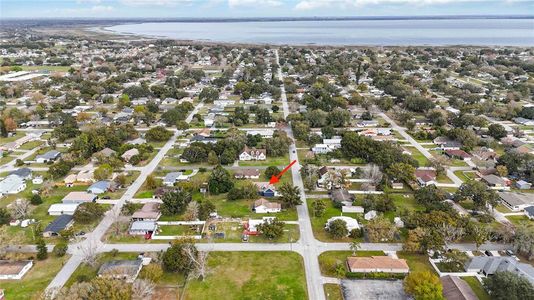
(88, 250)
(118, 222)
(451, 233)
(142, 289)
(200, 262)
(373, 172)
(20, 208)
(191, 212)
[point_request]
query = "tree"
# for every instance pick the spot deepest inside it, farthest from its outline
(354, 246)
(20, 209)
(414, 241)
(476, 191)
(373, 172)
(429, 196)
(263, 116)
(175, 202)
(271, 171)
(220, 181)
(42, 250)
(380, 229)
(524, 239)
(509, 286)
(423, 286)
(5, 216)
(272, 229)
(206, 207)
(175, 258)
(208, 95)
(88, 212)
(212, 158)
(142, 289)
(98, 288)
(151, 182)
(158, 134)
(319, 207)
(497, 131)
(290, 195)
(60, 249)
(337, 229)
(36, 199)
(152, 272)
(191, 211)
(502, 171)
(480, 233)
(401, 172)
(103, 172)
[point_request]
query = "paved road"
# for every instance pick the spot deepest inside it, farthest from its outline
(95, 237)
(308, 241)
(457, 181)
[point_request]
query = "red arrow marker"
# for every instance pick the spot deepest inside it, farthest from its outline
(275, 179)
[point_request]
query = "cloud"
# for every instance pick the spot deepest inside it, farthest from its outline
(315, 4)
(88, 1)
(89, 11)
(155, 2)
(253, 3)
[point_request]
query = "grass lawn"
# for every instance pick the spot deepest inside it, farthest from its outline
(477, 287)
(423, 161)
(243, 209)
(41, 68)
(416, 262)
(16, 136)
(332, 291)
(443, 178)
(464, 176)
(516, 220)
(319, 222)
(31, 145)
(173, 230)
(251, 275)
(36, 280)
(329, 259)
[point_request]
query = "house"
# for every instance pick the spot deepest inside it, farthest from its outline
(251, 225)
(529, 212)
(99, 187)
(377, 264)
(458, 154)
(495, 182)
(70, 180)
(24, 173)
(351, 223)
(484, 155)
(129, 154)
(12, 184)
(365, 123)
(137, 141)
(85, 176)
(248, 173)
(266, 190)
(252, 154)
(149, 212)
(14, 270)
(454, 288)
(523, 121)
(162, 190)
(263, 205)
(523, 185)
(397, 185)
(106, 152)
(146, 228)
(126, 270)
(425, 177)
(60, 223)
(203, 139)
(323, 176)
(59, 209)
(445, 143)
(49, 156)
(79, 197)
(516, 201)
(370, 215)
(342, 196)
(489, 265)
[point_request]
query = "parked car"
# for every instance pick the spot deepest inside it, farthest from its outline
(488, 253)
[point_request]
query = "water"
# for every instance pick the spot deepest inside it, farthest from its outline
(501, 32)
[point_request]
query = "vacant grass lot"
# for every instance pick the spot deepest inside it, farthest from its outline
(36, 280)
(416, 262)
(329, 259)
(332, 291)
(251, 275)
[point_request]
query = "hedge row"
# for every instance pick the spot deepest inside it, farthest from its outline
(374, 275)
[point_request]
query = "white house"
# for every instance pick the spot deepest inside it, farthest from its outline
(263, 205)
(12, 184)
(59, 209)
(253, 154)
(351, 222)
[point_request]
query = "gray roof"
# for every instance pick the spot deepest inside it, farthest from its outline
(52, 154)
(494, 179)
(58, 224)
(101, 185)
(342, 195)
(514, 199)
(492, 264)
(530, 210)
(172, 177)
(121, 267)
(143, 226)
(22, 172)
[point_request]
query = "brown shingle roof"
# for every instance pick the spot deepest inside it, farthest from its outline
(376, 262)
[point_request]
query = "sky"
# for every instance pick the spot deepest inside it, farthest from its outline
(256, 8)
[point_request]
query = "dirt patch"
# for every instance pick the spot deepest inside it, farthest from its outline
(170, 293)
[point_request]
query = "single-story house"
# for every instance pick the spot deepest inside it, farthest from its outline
(79, 197)
(458, 154)
(454, 288)
(351, 222)
(266, 190)
(99, 187)
(85, 176)
(426, 177)
(14, 270)
(146, 228)
(129, 154)
(523, 185)
(126, 270)
(516, 201)
(149, 212)
(106, 152)
(248, 173)
(253, 154)
(60, 223)
(24, 173)
(529, 212)
(59, 209)
(250, 227)
(12, 184)
(489, 265)
(377, 264)
(49, 156)
(173, 177)
(342, 196)
(495, 181)
(370, 215)
(263, 205)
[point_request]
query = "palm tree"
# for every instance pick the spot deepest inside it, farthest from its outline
(354, 246)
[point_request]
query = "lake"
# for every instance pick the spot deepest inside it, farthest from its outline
(435, 32)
